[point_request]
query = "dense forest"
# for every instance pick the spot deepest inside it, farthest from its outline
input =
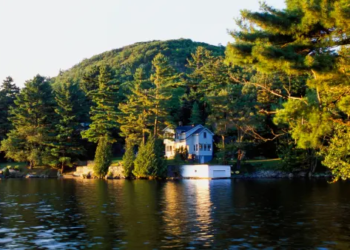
(280, 89)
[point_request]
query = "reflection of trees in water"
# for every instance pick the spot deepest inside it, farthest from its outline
(187, 213)
(41, 211)
(198, 213)
(296, 213)
(140, 214)
(104, 203)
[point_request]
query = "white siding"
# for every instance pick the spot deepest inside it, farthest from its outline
(195, 171)
(219, 171)
(205, 171)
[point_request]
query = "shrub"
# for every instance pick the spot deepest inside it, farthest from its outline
(128, 160)
(103, 157)
(149, 161)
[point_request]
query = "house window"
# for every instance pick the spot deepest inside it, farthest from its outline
(209, 147)
(205, 135)
(170, 148)
(200, 147)
(205, 147)
(196, 147)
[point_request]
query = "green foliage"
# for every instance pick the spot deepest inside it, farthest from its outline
(337, 153)
(178, 159)
(149, 162)
(128, 160)
(196, 117)
(294, 158)
(166, 93)
(103, 157)
(8, 93)
(104, 114)
(307, 40)
(68, 143)
(135, 119)
(126, 60)
(33, 119)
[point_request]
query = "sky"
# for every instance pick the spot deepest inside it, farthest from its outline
(44, 36)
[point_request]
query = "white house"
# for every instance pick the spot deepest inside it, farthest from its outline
(197, 139)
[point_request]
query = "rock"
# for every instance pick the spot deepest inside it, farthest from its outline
(302, 174)
(290, 175)
(32, 176)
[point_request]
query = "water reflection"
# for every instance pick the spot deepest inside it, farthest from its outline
(192, 214)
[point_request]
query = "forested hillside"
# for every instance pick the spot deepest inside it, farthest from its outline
(127, 59)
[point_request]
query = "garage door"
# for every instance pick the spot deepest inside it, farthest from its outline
(218, 173)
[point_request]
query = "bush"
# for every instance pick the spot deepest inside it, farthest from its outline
(149, 161)
(128, 160)
(6, 172)
(103, 157)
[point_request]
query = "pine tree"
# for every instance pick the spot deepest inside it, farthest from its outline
(104, 118)
(166, 94)
(196, 115)
(149, 162)
(69, 100)
(8, 93)
(307, 39)
(33, 119)
(103, 156)
(135, 116)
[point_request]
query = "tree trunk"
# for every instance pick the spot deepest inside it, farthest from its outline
(155, 127)
(31, 165)
(143, 137)
(62, 168)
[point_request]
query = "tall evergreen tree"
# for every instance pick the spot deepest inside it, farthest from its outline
(33, 119)
(128, 159)
(104, 118)
(135, 116)
(70, 112)
(103, 156)
(149, 162)
(8, 93)
(166, 93)
(196, 117)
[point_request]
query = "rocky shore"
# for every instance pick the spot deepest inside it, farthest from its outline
(261, 174)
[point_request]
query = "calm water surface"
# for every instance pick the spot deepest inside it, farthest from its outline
(189, 214)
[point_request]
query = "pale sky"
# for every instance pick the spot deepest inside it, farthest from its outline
(44, 36)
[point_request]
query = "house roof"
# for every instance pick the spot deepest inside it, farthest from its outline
(198, 131)
(184, 128)
(189, 130)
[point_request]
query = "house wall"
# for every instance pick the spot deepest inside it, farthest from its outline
(219, 171)
(190, 143)
(205, 171)
(169, 154)
(174, 145)
(203, 155)
(194, 171)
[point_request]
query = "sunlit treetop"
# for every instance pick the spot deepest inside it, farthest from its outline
(305, 36)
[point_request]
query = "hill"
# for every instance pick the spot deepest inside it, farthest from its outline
(127, 59)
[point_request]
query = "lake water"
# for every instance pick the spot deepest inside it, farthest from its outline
(188, 214)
